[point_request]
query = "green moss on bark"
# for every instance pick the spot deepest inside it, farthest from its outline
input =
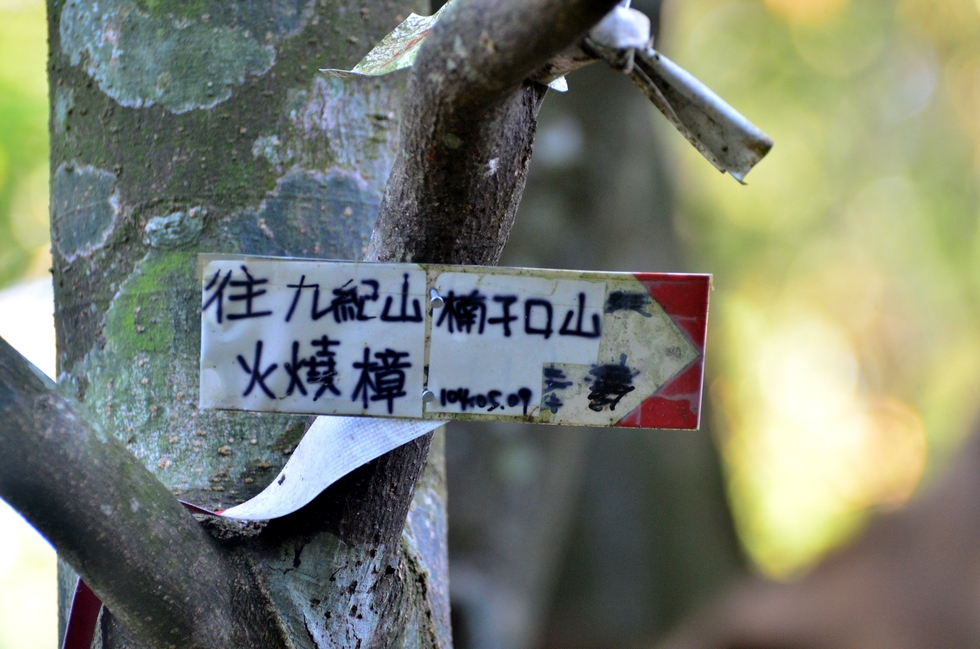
(141, 318)
(129, 330)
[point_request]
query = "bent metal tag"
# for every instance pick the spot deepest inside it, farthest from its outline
(425, 341)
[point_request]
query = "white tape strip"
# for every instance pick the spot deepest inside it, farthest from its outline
(622, 28)
(331, 448)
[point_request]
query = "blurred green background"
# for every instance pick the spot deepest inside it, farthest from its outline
(28, 608)
(23, 141)
(844, 340)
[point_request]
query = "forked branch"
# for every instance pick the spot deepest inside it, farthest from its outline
(468, 128)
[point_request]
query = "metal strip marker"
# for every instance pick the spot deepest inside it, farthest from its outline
(622, 39)
(331, 448)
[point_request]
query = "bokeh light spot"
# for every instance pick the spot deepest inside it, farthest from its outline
(806, 12)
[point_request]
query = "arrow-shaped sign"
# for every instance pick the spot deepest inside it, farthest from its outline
(436, 342)
(431, 343)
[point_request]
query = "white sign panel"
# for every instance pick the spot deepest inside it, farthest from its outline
(537, 320)
(452, 342)
(313, 337)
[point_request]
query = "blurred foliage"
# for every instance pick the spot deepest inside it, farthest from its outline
(844, 346)
(28, 596)
(23, 140)
(29, 593)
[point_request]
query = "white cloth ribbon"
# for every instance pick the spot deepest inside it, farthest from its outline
(331, 448)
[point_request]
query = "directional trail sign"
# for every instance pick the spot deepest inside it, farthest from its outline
(434, 342)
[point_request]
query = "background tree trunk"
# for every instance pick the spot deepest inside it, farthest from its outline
(179, 128)
(576, 537)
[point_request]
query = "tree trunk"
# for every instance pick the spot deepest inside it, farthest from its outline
(182, 128)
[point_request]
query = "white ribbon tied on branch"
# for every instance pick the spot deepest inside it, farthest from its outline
(330, 449)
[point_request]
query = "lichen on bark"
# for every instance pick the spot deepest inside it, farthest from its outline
(181, 56)
(87, 209)
(181, 128)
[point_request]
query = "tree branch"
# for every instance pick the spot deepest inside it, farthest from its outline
(469, 119)
(469, 123)
(152, 564)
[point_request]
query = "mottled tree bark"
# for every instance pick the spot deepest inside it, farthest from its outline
(180, 128)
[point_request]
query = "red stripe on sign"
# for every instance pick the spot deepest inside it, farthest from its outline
(684, 298)
(677, 404)
(84, 615)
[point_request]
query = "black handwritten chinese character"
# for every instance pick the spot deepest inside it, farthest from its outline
(553, 403)
(347, 304)
(218, 297)
(299, 288)
(385, 378)
(256, 375)
(248, 296)
(323, 367)
(577, 331)
(506, 318)
(554, 379)
(464, 311)
(403, 316)
(612, 382)
(529, 306)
